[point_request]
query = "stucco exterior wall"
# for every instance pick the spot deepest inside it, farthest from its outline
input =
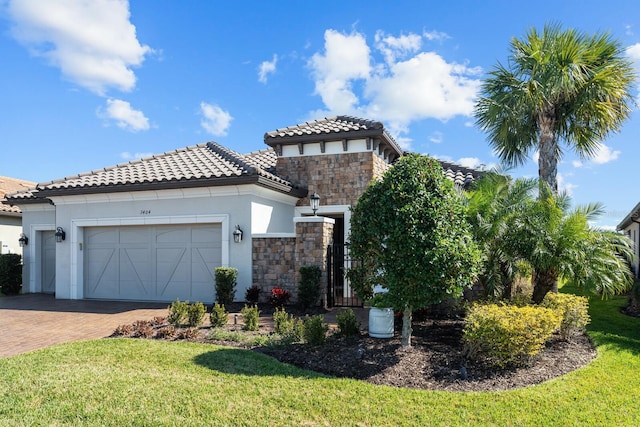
(226, 206)
(10, 229)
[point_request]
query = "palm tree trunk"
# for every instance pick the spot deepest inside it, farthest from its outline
(548, 151)
(543, 283)
(407, 317)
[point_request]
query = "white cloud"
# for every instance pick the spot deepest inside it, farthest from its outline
(436, 137)
(435, 35)
(634, 52)
(346, 58)
(92, 42)
(408, 85)
(469, 162)
(266, 68)
(216, 121)
(563, 185)
(605, 155)
(576, 163)
(125, 117)
(394, 47)
(129, 156)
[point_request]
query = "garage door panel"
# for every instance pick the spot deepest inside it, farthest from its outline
(158, 263)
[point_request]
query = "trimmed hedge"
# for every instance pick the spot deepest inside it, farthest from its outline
(573, 309)
(507, 335)
(10, 274)
(309, 286)
(226, 278)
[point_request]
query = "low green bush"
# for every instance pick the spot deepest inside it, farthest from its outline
(573, 309)
(178, 312)
(226, 278)
(348, 324)
(309, 286)
(288, 327)
(250, 317)
(219, 316)
(507, 335)
(195, 314)
(315, 330)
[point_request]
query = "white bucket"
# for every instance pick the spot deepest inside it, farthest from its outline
(381, 322)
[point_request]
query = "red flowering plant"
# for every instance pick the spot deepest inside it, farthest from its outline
(279, 297)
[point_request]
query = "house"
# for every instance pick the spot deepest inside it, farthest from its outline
(11, 216)
(155, 229)
(630, 226)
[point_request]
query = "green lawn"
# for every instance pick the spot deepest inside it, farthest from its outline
(145, 382)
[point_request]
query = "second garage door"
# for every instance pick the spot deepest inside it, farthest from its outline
(152, 263)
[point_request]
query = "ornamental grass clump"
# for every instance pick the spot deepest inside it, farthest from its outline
(502, 335)
(574, 311)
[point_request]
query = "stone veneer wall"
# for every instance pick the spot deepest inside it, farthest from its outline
(338, 178)
(277, 260)
(274, 265)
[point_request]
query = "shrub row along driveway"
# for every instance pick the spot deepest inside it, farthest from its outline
(34, 321)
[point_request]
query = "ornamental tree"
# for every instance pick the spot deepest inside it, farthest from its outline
(410, 236)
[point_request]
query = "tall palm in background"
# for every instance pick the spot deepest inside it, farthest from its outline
(558, 86)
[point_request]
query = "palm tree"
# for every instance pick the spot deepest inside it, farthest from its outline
(560, 243)
(558, 86)
(494, 203)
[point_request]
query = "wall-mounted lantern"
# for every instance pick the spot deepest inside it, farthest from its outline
(237, 234)
(23, 240)
(60, 235)
(314, 200)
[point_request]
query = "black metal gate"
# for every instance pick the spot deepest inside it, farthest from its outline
(339, 293)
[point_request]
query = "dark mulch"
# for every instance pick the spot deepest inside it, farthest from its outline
(434, 361)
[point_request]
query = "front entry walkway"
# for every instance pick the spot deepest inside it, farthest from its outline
(33, 321)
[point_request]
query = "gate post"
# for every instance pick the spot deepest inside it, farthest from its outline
(313, 235)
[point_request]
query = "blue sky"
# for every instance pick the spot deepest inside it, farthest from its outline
(89, 84)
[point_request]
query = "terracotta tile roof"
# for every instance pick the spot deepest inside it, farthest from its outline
(198, 165)
(337, 127)
(460, 175)
(12, 185)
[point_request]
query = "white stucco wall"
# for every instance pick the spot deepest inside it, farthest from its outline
(633, 232)
(227, 206)
(10, 229)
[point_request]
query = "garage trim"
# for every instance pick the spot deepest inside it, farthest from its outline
(77, 238)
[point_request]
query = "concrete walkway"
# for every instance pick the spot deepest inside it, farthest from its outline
(33, 321)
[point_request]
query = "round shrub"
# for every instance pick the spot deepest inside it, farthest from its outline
(507, 335)
(309, 286)
(195, 314)
(348, 324)
(226, 278)
(574, 311)
(250, 317)
(315, 330)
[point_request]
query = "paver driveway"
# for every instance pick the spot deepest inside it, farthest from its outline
(33, 321)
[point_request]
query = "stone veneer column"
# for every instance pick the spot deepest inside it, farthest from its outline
(313, 235)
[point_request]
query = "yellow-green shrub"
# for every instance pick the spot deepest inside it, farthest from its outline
(573, 309)
(505, 334)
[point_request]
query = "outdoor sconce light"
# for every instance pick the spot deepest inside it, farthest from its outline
(237, 234)
(314, 200)
(23, 240)
(60, 235)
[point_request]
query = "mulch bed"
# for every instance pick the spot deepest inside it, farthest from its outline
(435, 361)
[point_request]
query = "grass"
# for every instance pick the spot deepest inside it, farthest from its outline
(148, 382)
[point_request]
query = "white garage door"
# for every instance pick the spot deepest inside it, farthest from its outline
(152, 263)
